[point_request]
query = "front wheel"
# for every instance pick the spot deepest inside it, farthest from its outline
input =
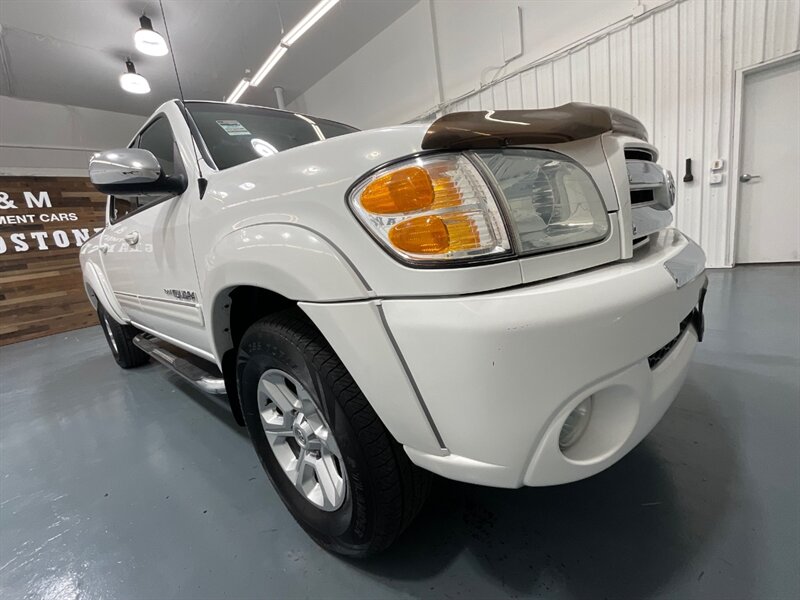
(338, 470)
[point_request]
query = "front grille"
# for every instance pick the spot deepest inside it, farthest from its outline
(659, 355)
(638, 154)
(640, 242)
(639, 197)
(652, 192)
(650, 182)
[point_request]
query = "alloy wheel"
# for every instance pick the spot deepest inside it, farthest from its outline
(301, 440)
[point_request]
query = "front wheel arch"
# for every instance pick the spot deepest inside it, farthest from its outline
(300, 265)
(233, 311)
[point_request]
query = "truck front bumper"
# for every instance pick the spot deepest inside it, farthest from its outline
(499, 373)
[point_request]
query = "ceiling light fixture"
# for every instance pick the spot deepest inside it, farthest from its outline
(271, 61)
(314, 15)
(132, 82)
(148, 41)
(238, 91)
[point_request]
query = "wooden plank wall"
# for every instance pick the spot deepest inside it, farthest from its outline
(41, 288)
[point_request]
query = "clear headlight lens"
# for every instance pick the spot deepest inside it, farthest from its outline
(552, 202)
(434, 208)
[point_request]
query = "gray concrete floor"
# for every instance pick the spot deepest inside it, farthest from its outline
(120, 484)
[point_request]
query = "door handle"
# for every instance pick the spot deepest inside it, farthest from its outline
(103, 248)
(745, 177)
(132, 238)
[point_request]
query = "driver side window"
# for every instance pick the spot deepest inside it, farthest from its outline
(158, 139)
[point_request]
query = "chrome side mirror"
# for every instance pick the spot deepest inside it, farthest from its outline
(131, 172)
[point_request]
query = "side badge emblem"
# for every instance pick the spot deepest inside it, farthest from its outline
(188, 295)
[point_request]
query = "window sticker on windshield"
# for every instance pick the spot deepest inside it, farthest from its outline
(233, 127)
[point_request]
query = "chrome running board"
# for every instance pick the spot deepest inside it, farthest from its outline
(203, 380)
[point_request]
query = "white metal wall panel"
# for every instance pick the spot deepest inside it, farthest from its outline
(717, 144)
(691, 70)
(781, 35)
(562, 80)
(600, 72)
(545, 84)
(643, 72)
(620, 58)
(580, 72)
(666, 88)
(500, 96)
(675, 69)
(513, 92)
(749, 22)
(530, 89)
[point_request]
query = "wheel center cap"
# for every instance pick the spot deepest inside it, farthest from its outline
(302, 431)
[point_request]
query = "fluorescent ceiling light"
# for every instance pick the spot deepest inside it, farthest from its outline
(271, 61)
(238, 91)
(314, 15)
(133, 82)
(148, 41)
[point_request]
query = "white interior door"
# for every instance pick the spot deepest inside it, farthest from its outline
(769, 172)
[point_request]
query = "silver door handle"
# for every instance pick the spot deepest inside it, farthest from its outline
(103, 248)
(132, 238)
(745, 177)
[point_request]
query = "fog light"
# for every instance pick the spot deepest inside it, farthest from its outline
(576, 424)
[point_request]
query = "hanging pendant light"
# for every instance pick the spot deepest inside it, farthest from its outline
(149, 41)
(132, 82)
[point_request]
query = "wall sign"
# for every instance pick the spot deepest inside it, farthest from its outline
(43, 223)
(38, 208)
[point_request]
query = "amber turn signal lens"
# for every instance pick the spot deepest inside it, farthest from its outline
(405, 190)
(463, 233)
(435, 235)
(445, 191)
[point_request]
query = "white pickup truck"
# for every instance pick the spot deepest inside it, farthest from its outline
(496, 297)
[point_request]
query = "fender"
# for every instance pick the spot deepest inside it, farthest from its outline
(300, 264)
(288, 259)
(94, 279)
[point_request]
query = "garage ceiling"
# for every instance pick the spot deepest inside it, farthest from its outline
(72, 52)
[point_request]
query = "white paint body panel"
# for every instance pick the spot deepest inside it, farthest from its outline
(163, 258)
(360, 339)
(307, 187)
(500, 372)
(440, 353)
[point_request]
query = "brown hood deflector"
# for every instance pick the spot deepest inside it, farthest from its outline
(501, 128)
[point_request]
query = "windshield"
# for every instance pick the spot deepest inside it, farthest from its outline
(236, 134)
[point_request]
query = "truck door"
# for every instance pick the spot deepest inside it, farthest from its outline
(147, 251)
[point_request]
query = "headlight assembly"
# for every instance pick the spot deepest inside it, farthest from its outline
(439, 208)
(552, 202)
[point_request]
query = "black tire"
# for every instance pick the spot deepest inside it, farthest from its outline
(120, 340)
(384, 490)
